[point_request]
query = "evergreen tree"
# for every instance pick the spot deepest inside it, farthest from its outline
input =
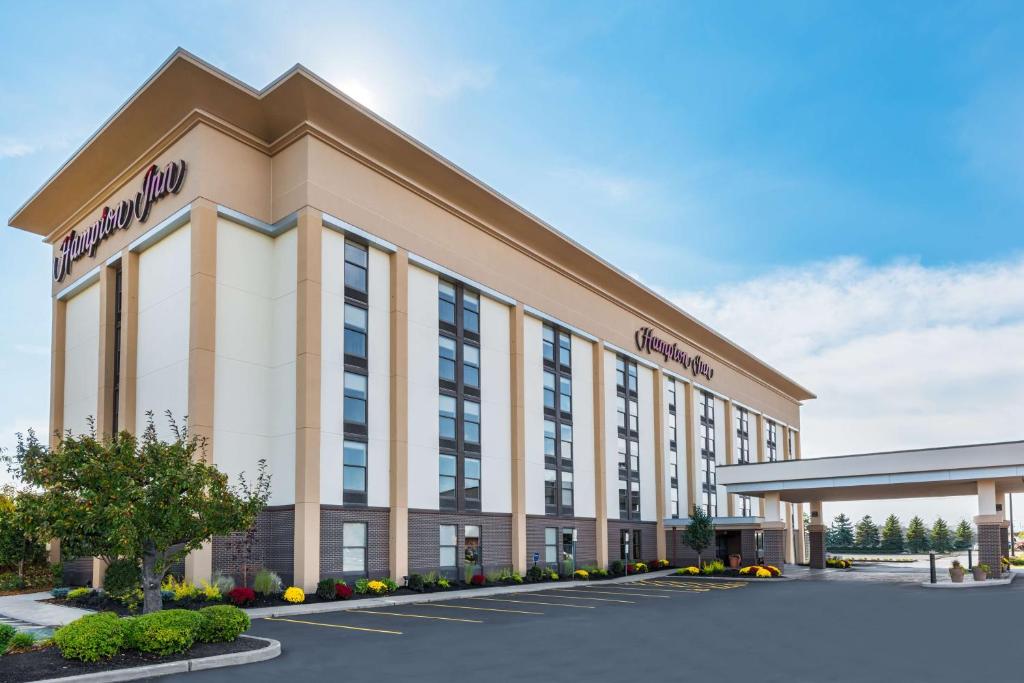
(841, 532)
(867, 533)
(964, 535)
(892, 535)
(917, 536)
(942, 539)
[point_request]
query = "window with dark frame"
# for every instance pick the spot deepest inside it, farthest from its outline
(558, 435)
(628, 438)
(637, 553)
(459, 435)
(792, 445)
(673, 451)
(449, 546)
(355, 355)
(771, 443)
(745, 506)
(708, 454)
(742, 435)
(116, 389)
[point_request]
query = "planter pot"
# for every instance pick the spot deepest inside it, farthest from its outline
(956, 574)
(734, 561)
(979, 574)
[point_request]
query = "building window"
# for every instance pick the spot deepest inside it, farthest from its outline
(551, 546)
(708, 453)
(671, 396)
(772, 442)
(116, 389)
(459, 432)
(353, 552)
(637, 552)
(673, 451)
(449, 543)
(742, 435)
(355, 334)
(629, 545)
(568, 550)
(355, 402)
(628, 438)
(356, 261)
(558, 435)
(354, 472)
(474, 545)
(792, 445)
(745, 506)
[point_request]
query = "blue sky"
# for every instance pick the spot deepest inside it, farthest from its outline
(869, 158)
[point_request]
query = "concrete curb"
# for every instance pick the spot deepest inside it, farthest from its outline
(370, 603)
(987, 583)
(749, 579)
(272, 650)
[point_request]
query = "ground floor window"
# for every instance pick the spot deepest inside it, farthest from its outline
(759, 545)
(473, 546)
(637, 536)
(629, 544)
(568, 550)
(353, 553)
(449, 542)
(551, 546)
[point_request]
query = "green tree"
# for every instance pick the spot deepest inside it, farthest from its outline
(892, 535)
(964, 537)
(135, 498)
(18, 547)
(841, 532)
(942, 539)
(917, 535)
(867, 533)
(700, 533)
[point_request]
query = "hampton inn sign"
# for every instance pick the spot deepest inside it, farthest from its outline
(647, 341)
(156, 184)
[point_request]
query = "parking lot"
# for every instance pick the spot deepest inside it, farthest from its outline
(657, 629)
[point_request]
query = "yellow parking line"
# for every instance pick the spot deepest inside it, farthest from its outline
(350, 628)
(534, 602)
(634, 592)
(420, 616)
(645, 587)
(479, 609)
(581, 592)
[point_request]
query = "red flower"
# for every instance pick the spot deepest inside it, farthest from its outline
(478, 580)
(242, 596)
(342, 591)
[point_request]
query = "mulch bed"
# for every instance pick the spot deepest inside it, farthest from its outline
(48, 663)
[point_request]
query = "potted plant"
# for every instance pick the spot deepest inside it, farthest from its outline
(980, 572)
(956, 572)
(735, 560)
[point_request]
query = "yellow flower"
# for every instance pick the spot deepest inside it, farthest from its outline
(210, 592)
(295, 595)
(376, 586)
(582, 574)
(763, 574)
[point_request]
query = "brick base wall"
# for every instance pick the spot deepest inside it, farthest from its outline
(774, 547)
(818, 552)
(424, 538)
(273, 547)
(748, 546)
(648, 539)
(990, 546)
(332, 520)
(586, 538)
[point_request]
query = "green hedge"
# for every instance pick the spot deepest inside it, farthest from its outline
(91, 638)
(164, 633)
(222, 623)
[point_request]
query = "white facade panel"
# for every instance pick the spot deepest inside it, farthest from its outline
(533, 411)
(423, 390)
(667, 420)
(378, 475)
(611, 445)
(254, 404)
(81, 359)
(495, 408)
(645, 400)
(720, 453)
(162, 352)
(583, 427)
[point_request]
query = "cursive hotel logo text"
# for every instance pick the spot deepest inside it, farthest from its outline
(156, 184)
(647, 341)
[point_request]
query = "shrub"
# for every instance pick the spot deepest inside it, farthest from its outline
(7, 633)
(164, 633)
(516, 578)
(660, 564)
(443, 584)
(342, 591)
(166, 595)
(617, 568)
(21, 641)
(79, 593)
(266, 582)
(224, 583)
(123, 576)
(183, 590)
(478, 580)
(763, 573)
(294, 595)
(57, 572)
(775, 571)
(581, 574)
(131, 599)
(535, 573)
(325, 589)
(221, 624)
(91, 638)
(599, 573)
(242, 596)
(688, 571)
(743, 571)
(713, 567)
(10, 581)
(415, 582)
(553, 575)
(209, 591)
(60, 593)
(372, 587)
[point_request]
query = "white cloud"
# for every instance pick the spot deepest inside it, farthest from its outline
(900, 356)
(10, 148)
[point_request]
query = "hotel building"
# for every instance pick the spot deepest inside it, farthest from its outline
(433, 375)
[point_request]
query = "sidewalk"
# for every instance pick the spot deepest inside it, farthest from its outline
(27, 608)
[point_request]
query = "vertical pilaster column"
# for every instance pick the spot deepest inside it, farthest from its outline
(398, 538)
(309, 293)
(692, 481)
(759, 422)
(787, 508)
(730, 456)
(202, 338)
(517, 343)
(129, 341)
(659, 460)
(801, 550)
(58, 344)
(600, 458)
(105, 380)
